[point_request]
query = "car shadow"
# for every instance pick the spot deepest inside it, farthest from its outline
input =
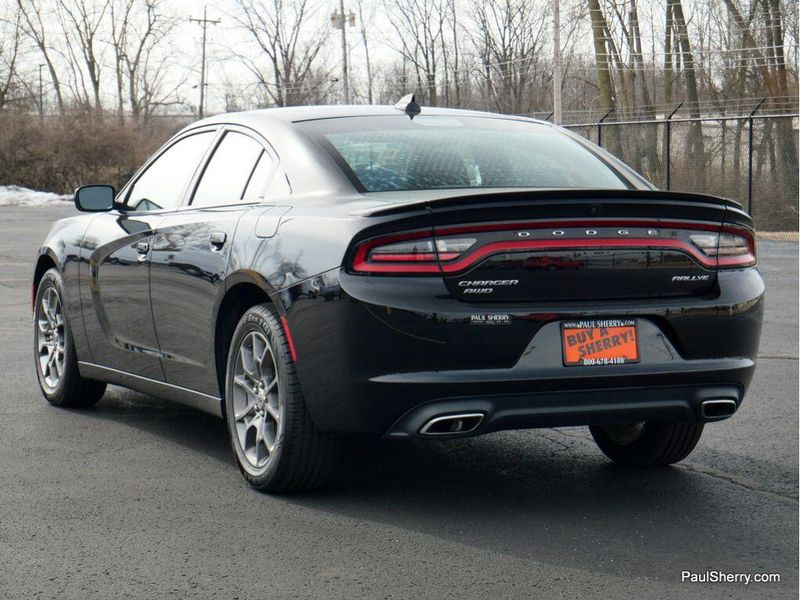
(544, 495)
(550, 495)
(187, 427)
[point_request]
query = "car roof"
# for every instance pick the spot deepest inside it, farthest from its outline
(308, 168)
(295, 114)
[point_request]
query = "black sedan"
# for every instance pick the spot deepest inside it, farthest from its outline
(308, 273)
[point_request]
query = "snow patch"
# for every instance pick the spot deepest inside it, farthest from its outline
(14, 195)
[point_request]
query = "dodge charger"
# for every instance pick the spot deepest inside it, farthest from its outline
(402, 272)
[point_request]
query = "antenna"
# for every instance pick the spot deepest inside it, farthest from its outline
(409, 105)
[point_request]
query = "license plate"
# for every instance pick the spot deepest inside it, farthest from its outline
(599, 342)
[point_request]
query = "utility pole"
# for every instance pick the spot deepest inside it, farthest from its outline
(340, 21)
(345, 82)
(557, 71)
(204, 22)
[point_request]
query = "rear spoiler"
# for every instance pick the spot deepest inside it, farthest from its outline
(470, 199)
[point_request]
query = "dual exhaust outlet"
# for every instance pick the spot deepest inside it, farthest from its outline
(463, 423)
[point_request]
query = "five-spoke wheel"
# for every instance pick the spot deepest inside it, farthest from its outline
(256, 399)
(50, 337)
(54, 351)
(276, 444)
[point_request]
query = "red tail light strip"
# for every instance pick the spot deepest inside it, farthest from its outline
(581, 223)
(364, 247)
(363, 263)
(459, 265)
(421, 257)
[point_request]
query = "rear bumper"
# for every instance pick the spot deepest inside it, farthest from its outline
(384, 356)
(570, 408)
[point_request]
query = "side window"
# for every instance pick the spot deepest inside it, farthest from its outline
(255, 187)
(229, 170)
(161, 185)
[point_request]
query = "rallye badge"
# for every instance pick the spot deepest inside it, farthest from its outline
(691, 278)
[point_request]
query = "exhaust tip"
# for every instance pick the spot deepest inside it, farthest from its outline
(713, 410)
(452, 424)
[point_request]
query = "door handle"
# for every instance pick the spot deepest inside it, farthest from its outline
(142, 248)
(217, 239)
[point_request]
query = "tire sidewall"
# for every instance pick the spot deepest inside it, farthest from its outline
(645, 446)
(654, 447)
(254, 320)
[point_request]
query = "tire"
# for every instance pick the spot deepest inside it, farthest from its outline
(55, 360)
(276, 445)
(647, 444)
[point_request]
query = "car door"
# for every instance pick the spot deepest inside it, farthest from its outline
(190, 253)
(117, 245)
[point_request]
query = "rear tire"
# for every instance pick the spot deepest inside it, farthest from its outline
(647, 444)
(276, 445)
(56, 362)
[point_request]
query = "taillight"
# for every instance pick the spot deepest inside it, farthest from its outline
(731, 247)
(399, 254)
(456, 249)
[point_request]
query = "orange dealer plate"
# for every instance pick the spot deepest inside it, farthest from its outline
(599, 342)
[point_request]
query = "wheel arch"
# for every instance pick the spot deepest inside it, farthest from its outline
(243, 290)
(46, 261)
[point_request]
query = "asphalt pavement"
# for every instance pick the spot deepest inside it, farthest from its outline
(140, 498)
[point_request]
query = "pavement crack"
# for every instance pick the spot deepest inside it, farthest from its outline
(562, 446)
(738, 481)
(778, 356)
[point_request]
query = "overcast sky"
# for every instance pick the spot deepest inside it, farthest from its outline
(227, 38)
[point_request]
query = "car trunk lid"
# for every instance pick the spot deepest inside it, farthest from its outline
(576, 245)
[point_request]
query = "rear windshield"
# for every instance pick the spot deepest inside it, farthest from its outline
(395, 153)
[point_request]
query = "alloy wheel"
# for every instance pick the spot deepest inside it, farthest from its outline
(256, 406)
(50, 338)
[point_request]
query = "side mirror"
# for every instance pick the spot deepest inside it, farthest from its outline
(95, 198)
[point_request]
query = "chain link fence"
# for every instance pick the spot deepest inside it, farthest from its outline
(752, 159)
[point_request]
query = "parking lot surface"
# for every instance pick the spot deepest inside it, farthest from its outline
(140, 498)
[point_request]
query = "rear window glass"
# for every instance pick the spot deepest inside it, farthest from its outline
(426, 153)
(227, 174)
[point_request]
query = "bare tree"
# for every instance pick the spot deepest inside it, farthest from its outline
(10, 45)
(668, 67)
(456, 60)
(81, 22)
(770, 64)
(32, 23)
(509, 36)
(686, 56)
(139, 32)
(420, 29)
(281, 32)
(366, 17)
(635, 42)
(601, 39)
